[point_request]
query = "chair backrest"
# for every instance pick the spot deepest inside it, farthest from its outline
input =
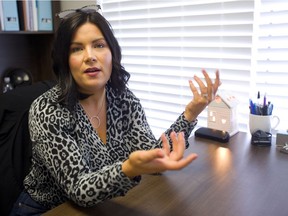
(15, 144)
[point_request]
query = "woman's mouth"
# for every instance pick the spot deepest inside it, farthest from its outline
(92, 71)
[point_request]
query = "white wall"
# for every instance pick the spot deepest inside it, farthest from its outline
(66, 4)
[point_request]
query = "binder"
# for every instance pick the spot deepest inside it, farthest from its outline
(30, 15)
(1, 17)
(21, 15)
(34, 17)
(10, 14)
(25, 15)
(44, 14)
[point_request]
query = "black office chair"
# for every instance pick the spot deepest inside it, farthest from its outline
(15, 144)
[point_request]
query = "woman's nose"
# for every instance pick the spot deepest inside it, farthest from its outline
(89, 56)
(90, 59)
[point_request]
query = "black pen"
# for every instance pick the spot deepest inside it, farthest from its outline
(265, 110)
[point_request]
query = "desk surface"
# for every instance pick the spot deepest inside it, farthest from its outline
(233, 179)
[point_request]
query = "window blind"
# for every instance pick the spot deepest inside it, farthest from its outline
(164, 43)
(271, 56)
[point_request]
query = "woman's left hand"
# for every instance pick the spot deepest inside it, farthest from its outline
(202, 97)
(159, 160)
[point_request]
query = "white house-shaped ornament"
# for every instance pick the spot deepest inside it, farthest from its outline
(222, 113)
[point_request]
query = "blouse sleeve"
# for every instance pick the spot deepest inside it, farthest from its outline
(59, 163)
(140, 132)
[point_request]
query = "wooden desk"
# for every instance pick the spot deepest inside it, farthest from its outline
(234, 179)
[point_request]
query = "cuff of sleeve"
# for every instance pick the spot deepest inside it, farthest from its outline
(131, 182)
(192, 123)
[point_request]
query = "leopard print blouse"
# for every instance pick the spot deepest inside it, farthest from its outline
(70, 162)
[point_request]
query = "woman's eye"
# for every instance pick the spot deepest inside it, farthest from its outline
(99, 45)
(75, 49)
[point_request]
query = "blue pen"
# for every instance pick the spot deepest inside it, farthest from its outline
(252, 107)
(271, 109)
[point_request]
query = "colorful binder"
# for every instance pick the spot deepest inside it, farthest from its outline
(44, 14)
(10, 15)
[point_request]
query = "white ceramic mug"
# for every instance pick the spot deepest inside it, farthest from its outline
(264, 123)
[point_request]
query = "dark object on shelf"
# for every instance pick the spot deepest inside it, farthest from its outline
(19, 77)
(7, 86)
(261, 138)
(213, 134)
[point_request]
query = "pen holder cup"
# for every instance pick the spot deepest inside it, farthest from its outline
(262, 122)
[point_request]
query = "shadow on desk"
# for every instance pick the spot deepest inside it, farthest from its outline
(106, 208)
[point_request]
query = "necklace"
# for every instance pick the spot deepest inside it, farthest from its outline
(95, 118)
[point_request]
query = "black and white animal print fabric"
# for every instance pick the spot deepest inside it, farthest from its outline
(70, 162)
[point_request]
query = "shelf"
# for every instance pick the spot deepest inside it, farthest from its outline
(25, 32)
(30, 50)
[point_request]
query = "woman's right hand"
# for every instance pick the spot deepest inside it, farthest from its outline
(203, 97)
(158, 160)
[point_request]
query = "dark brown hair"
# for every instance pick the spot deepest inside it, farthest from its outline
(60, 55)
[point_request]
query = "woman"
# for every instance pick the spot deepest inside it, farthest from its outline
(90, 135)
